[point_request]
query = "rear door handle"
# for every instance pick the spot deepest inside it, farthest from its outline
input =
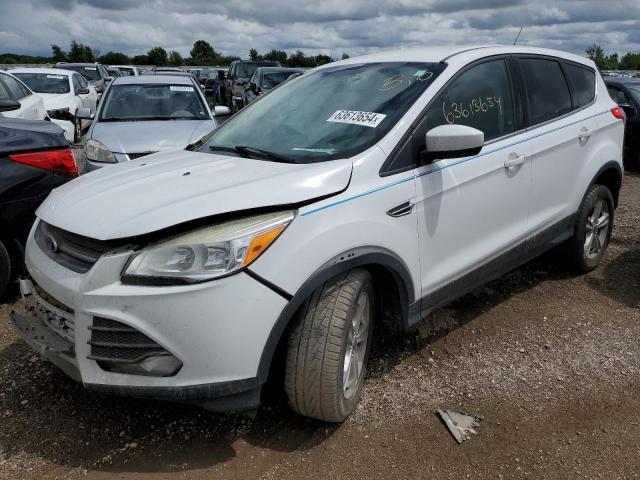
(584, 135)
(514, 160)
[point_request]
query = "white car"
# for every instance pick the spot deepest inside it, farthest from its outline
(370, 190)
(63, 93)
(31, 104)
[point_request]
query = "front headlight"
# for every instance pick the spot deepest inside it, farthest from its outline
(207, 253)
(98, 152)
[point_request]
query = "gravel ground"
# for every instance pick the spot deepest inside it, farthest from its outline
(549, 361)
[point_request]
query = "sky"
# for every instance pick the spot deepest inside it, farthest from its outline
(319, 26)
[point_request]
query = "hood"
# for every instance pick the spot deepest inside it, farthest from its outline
(166, 189)
(53, 101)
(153, 136)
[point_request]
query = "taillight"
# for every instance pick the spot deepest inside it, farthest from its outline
(619, 113)
(57, 161)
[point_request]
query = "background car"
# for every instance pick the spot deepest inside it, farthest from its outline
(31, 104)
(239, 74)
(114, 72)
(95, 73)
(626, 93)
(127, 70)
(34, 159)
(264, 79)
(146, 114)
(63, 92)
(212, 83)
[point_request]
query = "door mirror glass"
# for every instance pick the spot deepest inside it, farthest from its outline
(8, 105)
(452, 141)
(220, 111)
(85, 113)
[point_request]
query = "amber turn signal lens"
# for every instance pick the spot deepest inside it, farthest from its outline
(259, 244)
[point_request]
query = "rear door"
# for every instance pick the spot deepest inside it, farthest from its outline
(563, 132)
(472, 212)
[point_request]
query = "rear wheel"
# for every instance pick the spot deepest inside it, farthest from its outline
(5, 268)
(329, 346)
(594, 223)
(77, 130)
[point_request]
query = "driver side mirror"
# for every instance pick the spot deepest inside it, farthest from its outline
(85, 113)
(452, 141)
(8, 105)
(221, 111)
(82, 91)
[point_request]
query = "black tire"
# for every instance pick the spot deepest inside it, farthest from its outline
(77, 130)
(587, 257)
(321, 337)
(5, 269)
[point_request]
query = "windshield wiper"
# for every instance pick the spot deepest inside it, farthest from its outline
(261, 153)
(254, 152)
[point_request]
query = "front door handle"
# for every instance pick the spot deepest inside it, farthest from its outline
(584, 135)
(514, 160)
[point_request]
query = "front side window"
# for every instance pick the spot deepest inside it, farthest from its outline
(548, 94)
(334, 112)
(45, 82)
(583, 80)
(479, 97)
(152, 102)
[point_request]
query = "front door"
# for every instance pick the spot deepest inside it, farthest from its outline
(473, 211)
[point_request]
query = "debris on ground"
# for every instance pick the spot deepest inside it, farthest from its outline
(459, 424)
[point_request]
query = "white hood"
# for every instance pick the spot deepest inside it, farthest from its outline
(53, 101)
(169, 188)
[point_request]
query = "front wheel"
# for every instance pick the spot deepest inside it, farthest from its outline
(329, 346)
(594, 223)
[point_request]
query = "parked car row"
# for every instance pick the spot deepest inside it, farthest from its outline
(363, 193)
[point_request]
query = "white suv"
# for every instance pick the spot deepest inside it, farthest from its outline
(370, 190)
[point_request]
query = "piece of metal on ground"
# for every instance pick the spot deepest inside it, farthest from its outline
(459, 424)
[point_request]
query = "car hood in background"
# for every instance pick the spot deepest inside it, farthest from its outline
(166, 189)
(53, 101)
(25, 135)
(152, 136)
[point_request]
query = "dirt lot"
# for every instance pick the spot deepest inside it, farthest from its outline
(551, 362)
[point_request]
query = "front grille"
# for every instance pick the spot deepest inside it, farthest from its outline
(115, 342)
(133, 156)
(72, 251)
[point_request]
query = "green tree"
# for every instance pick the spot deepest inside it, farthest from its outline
(323, 59)
(630, 61)
(157, 56)
(596, 53)
(140, 60)
(253, 54)
(175, 59)
(80, 53)
(345, 55)
(114, 58)
(202, 53)
(277, 55)
(58, 54)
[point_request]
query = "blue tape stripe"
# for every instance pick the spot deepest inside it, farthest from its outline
(443, 167)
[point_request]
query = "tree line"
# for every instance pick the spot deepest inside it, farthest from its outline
(629, 61)
(202, 53)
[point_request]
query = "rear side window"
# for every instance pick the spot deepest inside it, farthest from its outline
(548, 94)
(4, 93)
(583, 81)
(17, 90)
(480, 97)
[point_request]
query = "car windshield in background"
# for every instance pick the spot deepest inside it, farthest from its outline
(45, 82)
(152, 102)
(246, 70)
(273, 79)
(335, 112)
(90, 73)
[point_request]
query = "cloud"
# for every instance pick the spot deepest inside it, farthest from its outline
(321, 26)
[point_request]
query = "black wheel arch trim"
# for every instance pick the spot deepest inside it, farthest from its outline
(357, 257)
(610, 165)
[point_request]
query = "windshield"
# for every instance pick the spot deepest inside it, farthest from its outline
(153, 102)
(45, 82)
(335, 112)
(91, 73)
(246, 70)
(272, 79)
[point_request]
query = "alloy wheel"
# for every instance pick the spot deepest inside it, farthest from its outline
(355, 354)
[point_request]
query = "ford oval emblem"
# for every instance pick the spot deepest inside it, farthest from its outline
(52, 245)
